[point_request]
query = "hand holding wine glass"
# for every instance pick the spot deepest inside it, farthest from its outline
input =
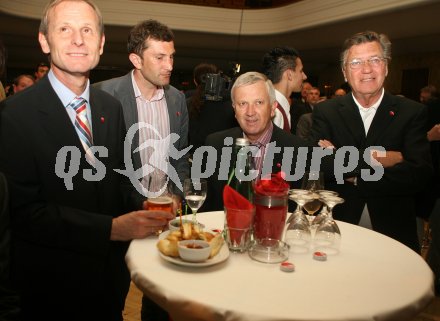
(194, 191)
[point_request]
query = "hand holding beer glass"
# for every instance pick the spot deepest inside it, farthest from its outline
(167, 202)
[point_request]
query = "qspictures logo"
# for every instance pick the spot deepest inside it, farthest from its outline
(204, 161)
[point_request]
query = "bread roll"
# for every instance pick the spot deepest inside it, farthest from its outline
(168, 246)
(216, 244)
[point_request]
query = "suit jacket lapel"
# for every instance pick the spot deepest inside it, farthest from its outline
(99, 125)
(172, 110)
(352, 119)
(384, 116)
(125, 94)
(54, 117)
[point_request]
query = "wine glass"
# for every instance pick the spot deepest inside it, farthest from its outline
(313, 181)
(300, 197)
(312, 205)
(328, 236)
(194, 191)
(324, 211)
(298, 234)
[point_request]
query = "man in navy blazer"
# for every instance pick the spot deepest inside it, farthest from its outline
(368, 118)
(71, 218)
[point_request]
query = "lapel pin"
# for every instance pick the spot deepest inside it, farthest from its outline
(391, 113)
(278, 165)
(178, 113)
(102, 120)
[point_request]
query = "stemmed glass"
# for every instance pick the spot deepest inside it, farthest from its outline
(328, 236)
(313, 181)
(312, 205)
(297, 233)
(194, 191)
(324, 211)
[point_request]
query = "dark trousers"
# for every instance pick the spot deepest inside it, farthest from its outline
(152, 312)
(434, 249)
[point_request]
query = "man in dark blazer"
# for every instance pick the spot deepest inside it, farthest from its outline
(147, 96)
(370, 117)
(69, 230)
(253, 99)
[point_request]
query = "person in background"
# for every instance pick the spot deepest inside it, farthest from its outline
(41, 70)
(300, 107)
(428, 93)
(426, 199)
(304, 127)
(313, 97)
(147, 97)
(2, 69)
(370, 117)
(432, 192)
(305, 89)
(22, 82)
(339, 92)
(207, 116)
(75, 231)
(283, 66)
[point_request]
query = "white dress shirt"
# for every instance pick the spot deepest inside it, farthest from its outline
(284, 103)
(367, 115)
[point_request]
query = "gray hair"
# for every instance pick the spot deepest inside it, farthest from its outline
(366, 37)
(251, 78)
(53, 3)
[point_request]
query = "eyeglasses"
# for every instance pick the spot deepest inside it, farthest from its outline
(372, 62)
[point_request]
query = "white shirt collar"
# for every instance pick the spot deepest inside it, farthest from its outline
(374, 106)
(64, 93)
(282, 100)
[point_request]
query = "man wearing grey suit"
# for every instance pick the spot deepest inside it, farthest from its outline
(147, 97)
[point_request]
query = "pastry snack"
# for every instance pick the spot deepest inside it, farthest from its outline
(168, 245)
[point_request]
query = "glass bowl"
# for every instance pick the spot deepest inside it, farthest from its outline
(269, 251)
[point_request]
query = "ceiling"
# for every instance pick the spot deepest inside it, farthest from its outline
(412, 30)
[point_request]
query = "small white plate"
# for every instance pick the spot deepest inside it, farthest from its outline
(221, 256)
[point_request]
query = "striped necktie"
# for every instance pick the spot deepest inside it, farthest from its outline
(82, 126)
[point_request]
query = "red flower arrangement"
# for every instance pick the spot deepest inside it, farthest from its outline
(272, 185)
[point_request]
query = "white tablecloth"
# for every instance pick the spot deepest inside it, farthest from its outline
(373, 278)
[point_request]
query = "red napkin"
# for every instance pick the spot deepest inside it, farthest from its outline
(233, 199)
(272, 185)
(239, 211)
